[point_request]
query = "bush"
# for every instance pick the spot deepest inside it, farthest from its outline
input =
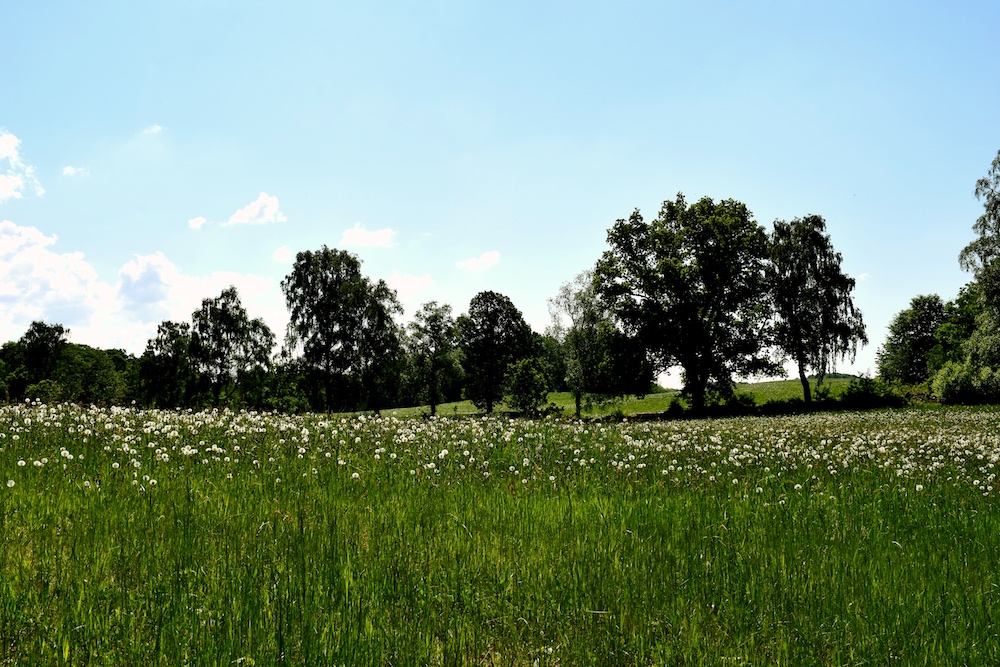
(527, 386)
(865, 393)
(46, 391)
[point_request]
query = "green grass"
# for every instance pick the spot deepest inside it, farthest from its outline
(783, 390)
(627, 405)
(241, 539)
(762, 392)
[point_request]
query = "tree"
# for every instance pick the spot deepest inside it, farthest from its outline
(905, 354)
(527, 387)
(433, 339)
(42, 345)
(960, 317)
(341, 323)
(981, 255)
(166, 373)
(492, 335)
(88, 375)
(817, 322)
(380, 348)
(226, 345)
(690, 286)
(599, 359)
(974, 376)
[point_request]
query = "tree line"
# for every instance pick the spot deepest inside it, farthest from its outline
(702, 286)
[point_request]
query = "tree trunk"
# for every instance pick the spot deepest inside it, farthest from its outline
(432, 388)
(806, 391)
(697, 389)
(576, 398)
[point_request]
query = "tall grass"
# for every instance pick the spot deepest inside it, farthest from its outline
(240, 539)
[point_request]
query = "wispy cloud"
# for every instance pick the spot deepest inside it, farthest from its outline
(197, 223)
(15, 176)
(261, 211)
(360, 237)
(283, 254)
(153, 129)
(481, 263)
(72, 172)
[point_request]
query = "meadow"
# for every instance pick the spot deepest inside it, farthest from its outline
(134, 537)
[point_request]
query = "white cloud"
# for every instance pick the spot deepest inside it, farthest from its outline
(197, 223)
(862, 277)
(409, 287)
(38, 283)
(72, 171)
(282, 254)
(15, 176)
(151, 289)
(261, 211)
(481, 263)
(153, 129)
(360, 237)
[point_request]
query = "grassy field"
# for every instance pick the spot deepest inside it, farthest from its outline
(783, 390)
(762, 392)
(220, 538)
(627, 405)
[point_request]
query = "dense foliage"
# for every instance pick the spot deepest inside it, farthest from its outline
(817, 322)
(690, 285)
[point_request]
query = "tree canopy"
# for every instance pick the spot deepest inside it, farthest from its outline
(982, 254)
(912, 335)
(341, 323)
(433, 341)
(600, 360)
(817, 322)
(226, 344)
(691, 286)
(492, 335)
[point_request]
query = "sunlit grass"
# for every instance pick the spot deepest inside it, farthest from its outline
(783, 390)
(233, 538)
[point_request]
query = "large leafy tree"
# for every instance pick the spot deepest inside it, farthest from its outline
(340, 322)
(691, 286)
(433, 341)
(906, 352)
(492, 335)
(598, 358)
(227, 347)
(817, 322)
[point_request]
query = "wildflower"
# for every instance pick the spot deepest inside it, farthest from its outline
(355, 475)
(10, 484)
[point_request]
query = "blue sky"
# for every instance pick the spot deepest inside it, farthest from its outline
(153, 153)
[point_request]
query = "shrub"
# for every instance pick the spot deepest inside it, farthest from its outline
(527, 386)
